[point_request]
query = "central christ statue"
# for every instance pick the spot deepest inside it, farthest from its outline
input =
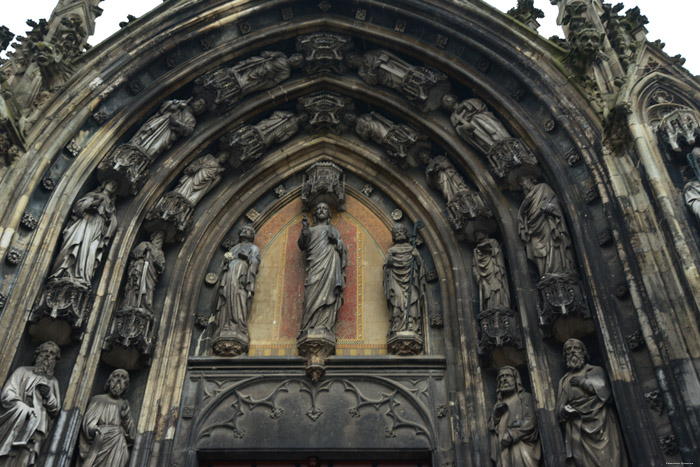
(326, 257)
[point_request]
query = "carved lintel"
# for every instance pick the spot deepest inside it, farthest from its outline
(128, 166)
(324, 52)
(563, 310)
(469, 214)
(230, 343)
(323, 182)
(511, 159)
(172, 215)
(316, 345)
(60, 311)
(404, 343)
(131, 339)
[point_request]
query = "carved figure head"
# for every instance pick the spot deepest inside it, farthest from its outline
(363, 126)
(526, 183)
(399, 233)
(198, 106)
(575, 354)
(117, 383)
(246, 233)
(449, 102)
(322, 214)
(296, 60)
(157, 238)
(588, 41)
(508, 381)
(45, 358)
(109, 187)
(474, 106)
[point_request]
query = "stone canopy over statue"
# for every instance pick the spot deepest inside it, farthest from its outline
(326, 258)
(30, 399)
(234, 298)
(593, 436)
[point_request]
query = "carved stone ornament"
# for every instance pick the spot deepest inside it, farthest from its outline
(131, 338)
(128, 165)
(225, 87)
(173, 212)
(668, 444)
(3, 300)
(655, 400)
(248, 144)
(280, 191)
(28, 221)
(563, 310)
(323, 182)
(680, 127)
(327, 111)
(422, 86)
(469, 215)
(511, 159)
(404, 145)
(316, 345)
(60, 311)
(500, 328)
(14, 256)
(30, 401)
(324, 52)
(635, 340)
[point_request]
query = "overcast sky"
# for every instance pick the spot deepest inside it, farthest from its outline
(672, 21)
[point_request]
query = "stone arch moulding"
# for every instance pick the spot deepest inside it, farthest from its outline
(481, 70)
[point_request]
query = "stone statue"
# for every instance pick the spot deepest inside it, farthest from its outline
(473, 122)
(201, 176)
(489, 270)
(237, 284)
(397, 283)
(175, 119)
(593, 435)
(30, 399)
(108, 429)
(691, 195)
(513, 424)
(146, 266)
(543, 229)
(326, 257)
(404, 145)
(92, 225)
(442, 176)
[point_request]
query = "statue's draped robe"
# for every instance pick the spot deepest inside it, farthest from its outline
(325, 277)
(263, 72)
(147, 264)
(520, 421)
(174, 120)
(397, 281)
(18, 428)
(111, 447)
(593, 435)
(442, 176)
(236, 288)
(91, 227)
(691, 195)
(200, 177)
(490, 273)
(545, 235)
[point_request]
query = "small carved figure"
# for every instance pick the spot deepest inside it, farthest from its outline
(92, 225)
(237, 283)
(175, 119)
(473, 122)
(442, 176)
(30, 399)
(543, 229)
(146, 266)
(108, 429)
(201, 176)
(404, 145)
(691, 195)
(489, 270)
(397, 283)
(513, 424)
(592, 432)
(326, 258)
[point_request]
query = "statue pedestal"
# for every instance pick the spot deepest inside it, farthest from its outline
(563, 310)
(59, 314)
(131, 340)
(316, 345)
(404, 343)
(230, 343)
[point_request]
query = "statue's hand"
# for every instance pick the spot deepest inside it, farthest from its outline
(576, 381)
(549, 209)
(568, 410)
(507, 440)
(304, 222)
(124, 411)
(332, 237)
(500, 408)
(43, 390)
